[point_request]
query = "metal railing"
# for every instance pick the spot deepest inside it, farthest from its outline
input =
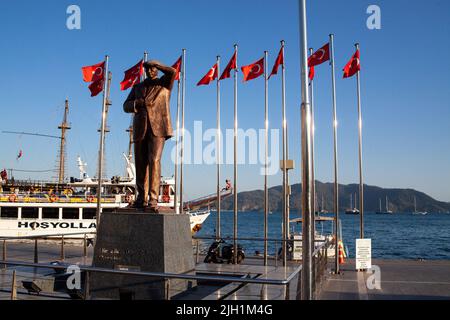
(164, 276)
(276, 241)
(319, 267)
(36, 238)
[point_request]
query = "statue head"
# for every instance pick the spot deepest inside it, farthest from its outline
(150, 70)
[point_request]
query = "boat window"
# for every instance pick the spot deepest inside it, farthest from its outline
(108, 209)
(9, 212)
(50, 213)
(30, 213)
(71, 213)
(89, 213)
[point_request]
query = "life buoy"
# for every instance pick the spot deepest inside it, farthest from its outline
(12, 198)
(90, 198)
(166, 198)
(53, 197)
(128, 198)
(196, 228)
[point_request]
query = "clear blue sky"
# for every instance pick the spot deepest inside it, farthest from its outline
(405, 82)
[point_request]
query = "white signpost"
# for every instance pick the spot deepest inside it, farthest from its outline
(363, 254)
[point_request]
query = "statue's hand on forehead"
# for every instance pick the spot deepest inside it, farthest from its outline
(153, 63)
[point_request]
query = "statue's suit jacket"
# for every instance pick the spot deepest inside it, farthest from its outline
(156, 113)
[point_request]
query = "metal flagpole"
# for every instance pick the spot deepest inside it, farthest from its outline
(145, 60)
(183, 91)
(266, 155)
(361, 183)
(307, 183)
(313, 129)
(177, 138)
(218, 146)
(235, 216)
(102, 140)
(285, 171)
(336, 185)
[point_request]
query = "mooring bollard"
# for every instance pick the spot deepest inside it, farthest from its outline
(62, 248)
(14, 287)
(36, 256)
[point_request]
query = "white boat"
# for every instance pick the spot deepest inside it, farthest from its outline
(353, 209)
(73, 208)
(320, 238)
(415, 209)
(387, 208)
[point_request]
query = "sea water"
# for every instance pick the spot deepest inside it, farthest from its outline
(396, 236)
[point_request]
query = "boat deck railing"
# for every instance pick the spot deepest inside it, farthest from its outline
(57, 198)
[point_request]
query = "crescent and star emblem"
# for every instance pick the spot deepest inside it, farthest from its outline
(323, 53)
(256, 68)
(211, 72)
(98, 69)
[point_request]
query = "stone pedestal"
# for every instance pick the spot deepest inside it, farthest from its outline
(142, 242)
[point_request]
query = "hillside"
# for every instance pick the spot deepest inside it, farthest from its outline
(400, 200)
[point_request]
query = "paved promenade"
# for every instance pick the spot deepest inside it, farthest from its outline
(399, 280)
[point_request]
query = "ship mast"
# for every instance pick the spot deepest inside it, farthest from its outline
(62, 148)
(130, 141)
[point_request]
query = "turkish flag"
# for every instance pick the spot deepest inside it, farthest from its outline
(278, 62)
(93, 73)
(132, 76)
(320, 56)
(230, 66)
(177, 67)
(311, 73)
(96, 87)
(254, 70)
(353, 66)
(209, 77)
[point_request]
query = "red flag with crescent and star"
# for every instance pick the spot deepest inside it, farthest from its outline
(96, 87)
(278, 62)
(177, 67)
(353, 66)
(230, 66)
(209, 77)
(94, 72)
(254, 70)
(132, 76)
(311, 73)
(320, 56)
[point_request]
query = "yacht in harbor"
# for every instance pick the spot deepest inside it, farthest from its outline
(352, 209)
(415, 209)
(387, 211)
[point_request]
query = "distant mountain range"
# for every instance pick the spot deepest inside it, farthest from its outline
(400, 200)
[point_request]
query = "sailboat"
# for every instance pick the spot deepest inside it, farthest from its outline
(415, 209)
(387, 208)
(352, 209)
(322, 208)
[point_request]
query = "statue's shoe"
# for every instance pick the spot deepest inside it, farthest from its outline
(153, 209)
(137, 206)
